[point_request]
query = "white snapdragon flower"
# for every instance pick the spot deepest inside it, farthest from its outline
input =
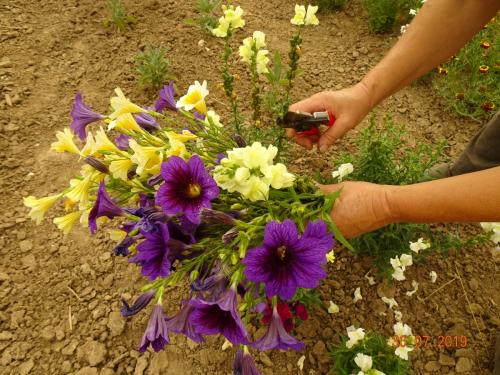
(401, 329)
(494, 229)
(402, 351)
(371, 279)
(357, 295)
(413, 12)
(333, 308)
(300, 362)
(391, 302)
(363, 361)
(299, 16)
(398, 315)
(414, 284)
(404, 28)
(343, 171)
(213, 118)
(398, 274)
(433, 275)
(355, 335)
(419, 245)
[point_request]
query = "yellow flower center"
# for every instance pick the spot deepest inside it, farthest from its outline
(194, 97)
(281, 252)
(193, 190)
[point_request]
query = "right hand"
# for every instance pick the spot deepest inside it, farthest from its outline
(349, 106)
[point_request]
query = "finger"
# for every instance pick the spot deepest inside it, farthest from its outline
(290, 133)
(330, 136)
(314, 103)
(306, 141)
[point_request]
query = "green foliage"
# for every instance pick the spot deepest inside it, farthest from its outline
(152, 67)
(374, 345)
(331, 5)
(464, 88)
(118, 15)
(381, 14)
(206, 19)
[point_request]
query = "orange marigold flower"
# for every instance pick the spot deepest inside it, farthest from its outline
(485, 45)
(488, 106)
(484, 69)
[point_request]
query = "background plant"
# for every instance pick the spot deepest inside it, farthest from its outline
(374, 345)
(468, 83)
(152, 67)
(381, 14)
(331, 5)
(205, 19)
(118, 15)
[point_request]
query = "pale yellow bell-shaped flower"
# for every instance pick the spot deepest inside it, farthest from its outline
(147, 158)
(90, 146)
(119, 168)
(65, 142)
(102, 142)
(125, 122)
(299, 16)
(121, 105)
(278, 176)
(65, 223)
(183, 137)
(262, 61)
(39, 206)
(310, 18)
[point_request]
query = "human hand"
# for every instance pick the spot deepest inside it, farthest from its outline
(349, 106)
(361, 207)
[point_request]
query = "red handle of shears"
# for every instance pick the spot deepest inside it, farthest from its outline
(315, 131)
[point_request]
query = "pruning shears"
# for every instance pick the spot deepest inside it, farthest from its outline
(306, 123)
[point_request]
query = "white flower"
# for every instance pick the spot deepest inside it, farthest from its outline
(398, 315)
(433, 275)
(402, 352)
(363, 361)
(311, 18)
(371, 279)
(300, 15)
(262, 61)
(343, 171)
(213, 118)
(406, 260)
(398, 274)
(333, 308)
(401, 329)
(413, 12)
(355, 335)
(259, 39)
(403, 29)
(195, 98)
(330, 256)
(494, 228)
(399, 265)
(414, 284)
(357, 295)
(419, 245)
(300, 362)
(277, 176)
(391, 302)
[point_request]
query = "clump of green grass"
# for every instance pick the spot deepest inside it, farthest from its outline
(118, 15)
(469, 82)
(206, 19)
(152, 67)
(382, 14)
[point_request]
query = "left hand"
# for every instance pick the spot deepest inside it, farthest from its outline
(361, 207)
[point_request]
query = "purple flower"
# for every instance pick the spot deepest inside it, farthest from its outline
(276, 336)
(167, 98)
(146, 121)
(153, 253)
(82, 115)
(187, 188)
(156, 332)
(104, 206)
(180, 323)
(122, 142)
(286, 262)
(244, 364)
(219, 316)
(138, 304)
(122, 247)
(219, 157)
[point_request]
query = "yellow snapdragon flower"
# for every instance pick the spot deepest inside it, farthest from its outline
(303, 17)
(65, 223)
(299, 16)
(39, 206)
(278, 177)
(255, 189)
(311, 19)
(262, 61)
(121, 105)
(65, 142)
(232, 19)
(195, 98)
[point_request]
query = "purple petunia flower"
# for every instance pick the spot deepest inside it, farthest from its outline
(244, 364)
(187, 188)
(167, 98)
(286, 262)
(104, 206)
(146, 121)
(156, 332)
(122, 142)
(138, 304)
(153, 253)
(82, 115)
(219, 316)
(122, 248)
(276, 336)
(180, 323)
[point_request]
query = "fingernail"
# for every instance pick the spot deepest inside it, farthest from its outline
(323, 148)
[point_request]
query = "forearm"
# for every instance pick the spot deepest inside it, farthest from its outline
(439, 30)
(466, 198)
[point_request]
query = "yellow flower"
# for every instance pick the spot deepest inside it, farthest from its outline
(232, 19)
(311, 18)
(125, 122)
(221, 30)
(119, 168)
(121, 105)
(262, 61)
(330, 257)
(177, 148)
(39, 206)
(183, 137)
(90, 146)
(246, 50)
(300, 15)
(278, 177)
(117, 235)
(259, 39)
(255, 189)
(66, 222)
(147, 158)
(65, 142)
(79, 189)
(195, 98)
(102, 142)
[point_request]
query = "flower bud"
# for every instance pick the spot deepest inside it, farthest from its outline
(230, 235)
(239, 140)
(96, 164)
(216, 217)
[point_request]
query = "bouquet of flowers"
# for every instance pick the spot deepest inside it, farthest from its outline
(194, 204)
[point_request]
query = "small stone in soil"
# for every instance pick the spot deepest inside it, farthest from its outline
(463, 365)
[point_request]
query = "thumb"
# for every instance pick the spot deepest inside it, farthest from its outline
(314, 103)
(330, 136)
